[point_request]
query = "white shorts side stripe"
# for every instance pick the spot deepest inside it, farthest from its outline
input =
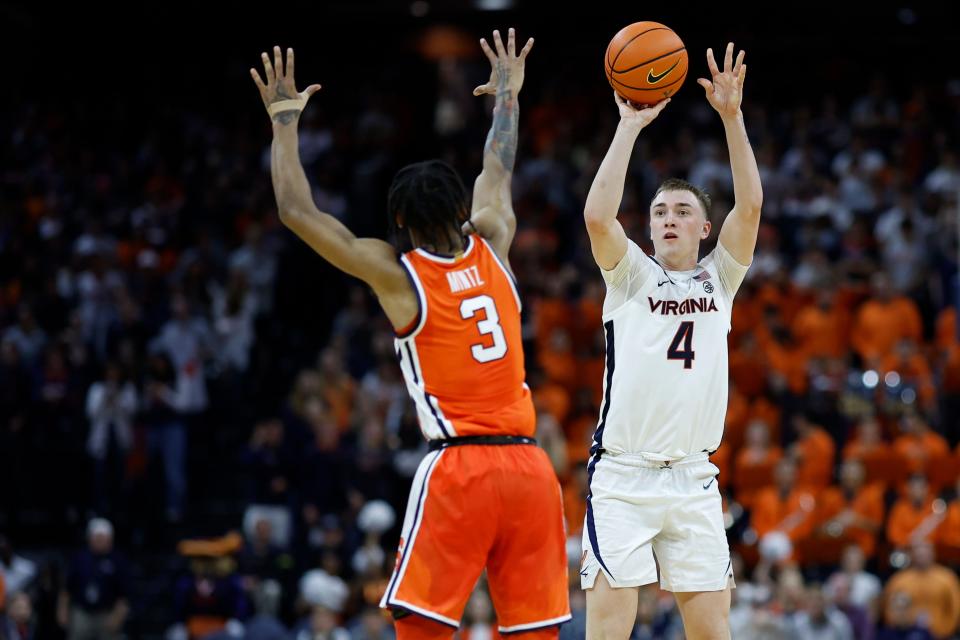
(535, 625)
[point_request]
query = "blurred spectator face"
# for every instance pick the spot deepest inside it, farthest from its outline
(816, 603)
(322, 621)
(853, 559)
(785, 475)
(273, 432)
(758, 434)
(851, 475)
(9, 353)
(801, 425)
(262, 532)
(922, 555)
(373, 622)
(868, 431)
(100, 536)
(917, 489)
(179, 307)
(880, 286)
(19, 608)
(677, 225)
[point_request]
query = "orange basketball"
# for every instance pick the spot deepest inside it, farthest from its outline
(646, 62)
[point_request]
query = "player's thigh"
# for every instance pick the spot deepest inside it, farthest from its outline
(611, 612)
(447, 534)
(705, 614)
(692, 547)
(527, 565)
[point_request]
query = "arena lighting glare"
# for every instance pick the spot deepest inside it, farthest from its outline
(870, 379)
(908, 396)
(892, 379)
(493, 5)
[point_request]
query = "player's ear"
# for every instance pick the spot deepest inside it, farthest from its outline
(399, 220)
(705, 232)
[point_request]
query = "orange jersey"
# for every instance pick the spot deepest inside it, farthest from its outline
(462, 357)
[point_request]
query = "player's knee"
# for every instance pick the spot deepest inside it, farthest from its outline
(715, 626)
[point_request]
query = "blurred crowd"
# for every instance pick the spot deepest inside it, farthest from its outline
(204, 432)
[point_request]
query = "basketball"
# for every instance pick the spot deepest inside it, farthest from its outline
(646, 62)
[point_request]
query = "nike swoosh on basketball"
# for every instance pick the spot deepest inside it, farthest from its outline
(707, 486)
(654, 79)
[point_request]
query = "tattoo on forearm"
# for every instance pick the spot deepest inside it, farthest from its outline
(502, 139)
(286, 117)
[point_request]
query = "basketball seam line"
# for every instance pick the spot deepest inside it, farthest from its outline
(631, 40)
(669, 53)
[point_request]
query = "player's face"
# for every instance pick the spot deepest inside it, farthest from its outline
(677, 225)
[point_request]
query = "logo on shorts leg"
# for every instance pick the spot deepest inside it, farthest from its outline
(707, 486)
(396, 565)
(583, 561)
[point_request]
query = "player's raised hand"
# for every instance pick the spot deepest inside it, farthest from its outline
(725, 91)
(279, 94)
(638, 117)
(506, 64)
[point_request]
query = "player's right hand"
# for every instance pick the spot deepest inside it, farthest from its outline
(506, 64)
(638, 118)
(280, 85)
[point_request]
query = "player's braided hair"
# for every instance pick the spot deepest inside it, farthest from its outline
(676, 184)
(430, 199)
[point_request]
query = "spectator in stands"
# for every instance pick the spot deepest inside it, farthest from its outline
(933, 590)
(883, 320)
(27, 336)
(18, 623)
(166, 431)
(785, 509)
(853, 511)
(95, 604)
(916, 516)
(111, 406)
(17, 572)
(820, 620)
(812, 452)
(902, 622)
(860, 587)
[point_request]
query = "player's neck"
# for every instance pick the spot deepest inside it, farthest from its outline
(687, 263)
(442, 246)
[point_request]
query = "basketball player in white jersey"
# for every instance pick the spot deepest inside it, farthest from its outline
(666, 318)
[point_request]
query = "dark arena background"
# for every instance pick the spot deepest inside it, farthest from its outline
(141, 251)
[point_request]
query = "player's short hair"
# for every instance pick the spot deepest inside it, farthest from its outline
(676, 184)
(431, 200)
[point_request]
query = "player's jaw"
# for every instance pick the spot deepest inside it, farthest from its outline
(676, 241)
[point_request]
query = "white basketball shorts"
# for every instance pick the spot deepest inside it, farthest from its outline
(640, 508)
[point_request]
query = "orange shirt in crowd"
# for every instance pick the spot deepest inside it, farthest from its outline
(905, 518)
(820, 332)
(794, 515)
(867, 504)
(949, 532)
(916, 450)
(934, 592)
(879, 325)
(753, 471)
(946, 330)
(553, 399)
(735, 423)
(816, 451)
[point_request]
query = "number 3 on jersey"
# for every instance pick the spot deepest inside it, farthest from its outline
(490, 326)
(684, 335)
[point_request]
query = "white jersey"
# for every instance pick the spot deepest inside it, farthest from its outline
(666, 380)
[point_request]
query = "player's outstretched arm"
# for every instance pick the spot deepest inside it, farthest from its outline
(373, 261)
(607, 239)
(492, 210)
(724, 93)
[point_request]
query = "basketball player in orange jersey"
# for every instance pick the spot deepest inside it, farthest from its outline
(652, 488)
(485, 496)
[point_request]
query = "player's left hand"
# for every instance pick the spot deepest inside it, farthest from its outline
(725, 91)
(506, 64)
(280, 86)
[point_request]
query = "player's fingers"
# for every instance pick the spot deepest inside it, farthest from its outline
(728, 58)
(743, 75)
(257, 81)
(618, 98)
(706, 84)
(712, 63)
(511, 42)
(498, 43)
(491, 56)
(312, 89)
(526, 49)
(482, 89)
(278, 61)
(289, 68)
(739, 62)
(268, 68)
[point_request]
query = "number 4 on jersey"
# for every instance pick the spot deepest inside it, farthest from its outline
(684, 335)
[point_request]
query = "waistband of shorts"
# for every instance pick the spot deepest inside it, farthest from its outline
(443, 443)
(645, 460)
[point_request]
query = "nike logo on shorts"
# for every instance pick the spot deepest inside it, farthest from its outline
(707, 486)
